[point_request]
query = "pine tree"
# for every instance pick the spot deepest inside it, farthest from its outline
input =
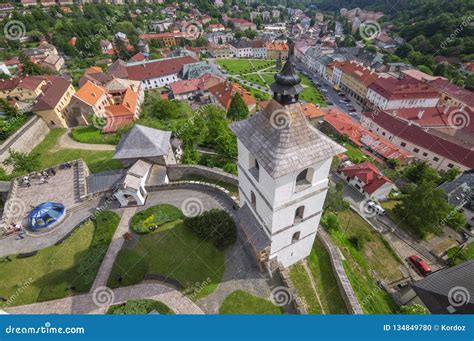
(238, 110)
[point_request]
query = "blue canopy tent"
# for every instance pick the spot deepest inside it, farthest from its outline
(45, 215)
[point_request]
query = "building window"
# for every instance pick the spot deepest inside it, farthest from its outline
(436, 159)
(416, 150)
(253, 199)
(403, 144)
(299, 214)
(302, 178)
(295, 237)
(425, 154)
(450, 165)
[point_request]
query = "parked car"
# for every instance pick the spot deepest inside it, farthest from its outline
(420, 265)
(324, 90)
(329, 103)
(341, 94)
(376, 207)
(351, 109)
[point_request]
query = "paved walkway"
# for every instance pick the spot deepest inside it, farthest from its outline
(113, 250)
(66, 142)
(85, 304)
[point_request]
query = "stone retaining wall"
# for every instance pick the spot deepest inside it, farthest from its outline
(345, 287)
(176, 172)
(296, 300)
(24, 139)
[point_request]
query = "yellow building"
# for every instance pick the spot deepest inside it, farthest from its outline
(353, 79)
(52, 106)
(27, 89)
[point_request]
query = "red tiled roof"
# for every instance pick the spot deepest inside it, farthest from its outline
(453, 90)
(9, 84)
(159, 68)
(30, 82)
(52, 94)
(148, 36)
(394, 88)
(369, 174)
(360, 136)
(223, 92)
(423, 138)
(138, 57)
(357, 71)
(185, 86)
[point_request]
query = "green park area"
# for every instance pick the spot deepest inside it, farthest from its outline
(60, 270)
(236, 66)
(241, 302)
(173, 252)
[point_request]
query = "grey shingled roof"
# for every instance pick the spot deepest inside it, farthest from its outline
(282, 148)
(143, 142)
(435, 289)
(104, 181)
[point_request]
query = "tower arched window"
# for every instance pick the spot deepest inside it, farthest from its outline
(299, 214)
(303, 179)
(253, 199)
(295, 237)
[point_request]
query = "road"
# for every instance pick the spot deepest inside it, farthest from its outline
(326, 88)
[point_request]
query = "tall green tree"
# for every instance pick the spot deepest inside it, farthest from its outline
(238, 110)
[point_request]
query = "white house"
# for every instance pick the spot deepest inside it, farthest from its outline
(282, 181)
(368, 180)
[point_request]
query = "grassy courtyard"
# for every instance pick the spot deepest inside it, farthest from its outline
(241, 66)
(52, 154)
(90, 134)
(173, 252)
(140, 307)
(59, 270)
(153, 217)
(370, 256)
(328, 299)
(241, 302)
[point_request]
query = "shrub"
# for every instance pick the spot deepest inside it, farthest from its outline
(330, 222)
(357, 242)
(148, 220)
(216, 226)
(139, 307)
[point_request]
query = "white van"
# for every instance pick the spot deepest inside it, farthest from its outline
(376, 207)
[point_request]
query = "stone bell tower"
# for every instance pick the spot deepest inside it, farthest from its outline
(283, 166)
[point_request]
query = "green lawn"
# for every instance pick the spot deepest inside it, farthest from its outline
(172, 251)
(241, 66)
(268, 77)
(153, 217)
(323, 276)
(319, 263)
(90, 134)
(304, 289)
(241, 302)
(374, 255)
(51, 155)
(354, 154)
(59, 270)
(254, 78)
(140, 307)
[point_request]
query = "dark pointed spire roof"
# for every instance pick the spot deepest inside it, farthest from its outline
(287, 81)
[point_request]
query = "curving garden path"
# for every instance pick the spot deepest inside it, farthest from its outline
(88, 303)
(66, 142)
